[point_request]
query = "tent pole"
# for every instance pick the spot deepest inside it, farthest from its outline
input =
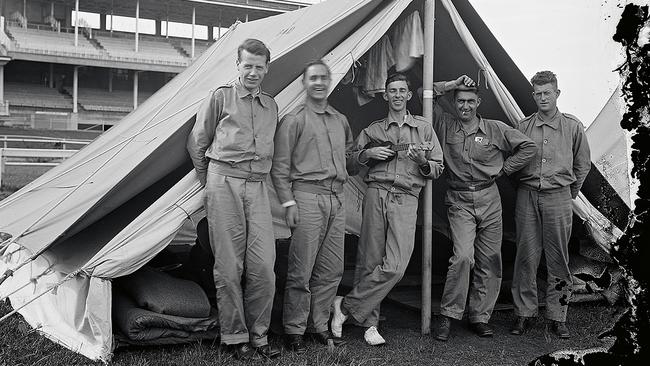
(427, 111)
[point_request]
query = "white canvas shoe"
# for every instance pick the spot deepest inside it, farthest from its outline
(373, 337)
(338, 318)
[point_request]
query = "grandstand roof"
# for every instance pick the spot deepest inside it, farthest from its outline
(208, 12)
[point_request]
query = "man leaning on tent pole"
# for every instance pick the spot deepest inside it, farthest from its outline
(312, 149)
(231, 146)
(474, 149)
(390, 204)
(544, 209)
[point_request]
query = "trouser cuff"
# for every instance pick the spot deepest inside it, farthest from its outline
(479, 319)
(317, 330)
(451, 314)
(229, 339)
(259, 342)
(525, 314)
(556, 317)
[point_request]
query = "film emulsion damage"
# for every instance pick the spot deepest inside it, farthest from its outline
(632, 329)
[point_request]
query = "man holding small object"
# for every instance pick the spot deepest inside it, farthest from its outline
(394, 180)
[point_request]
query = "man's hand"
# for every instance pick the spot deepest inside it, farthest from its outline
(464, 81)
(378, 153)
(416, 155)
(292, 217)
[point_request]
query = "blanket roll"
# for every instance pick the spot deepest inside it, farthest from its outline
(161, 293)
(148, 327)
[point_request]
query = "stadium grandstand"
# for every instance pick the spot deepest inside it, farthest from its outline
(85, 64)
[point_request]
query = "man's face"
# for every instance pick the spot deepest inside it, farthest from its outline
(316, 82)
(467, 103)
(546, 97)
(397, 94)
(252, 69)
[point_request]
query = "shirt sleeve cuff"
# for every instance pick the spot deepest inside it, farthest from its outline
(289, 203)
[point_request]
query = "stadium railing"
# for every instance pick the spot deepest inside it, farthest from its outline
(32, 157)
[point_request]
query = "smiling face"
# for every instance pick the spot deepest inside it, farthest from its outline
(467, 103)
(397, 94)
(252, 68)
(316, 81)
(546, 97)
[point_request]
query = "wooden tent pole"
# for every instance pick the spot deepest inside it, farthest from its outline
(427, 111)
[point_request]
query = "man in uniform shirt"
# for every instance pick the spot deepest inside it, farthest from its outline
(231, 146)
(389, 206)
(474, 150)
(544, 211)
(309, 170)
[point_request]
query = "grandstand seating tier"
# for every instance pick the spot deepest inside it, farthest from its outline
(33, 95)
(50, 41)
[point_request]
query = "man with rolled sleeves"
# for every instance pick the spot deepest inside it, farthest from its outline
(231, 146)
(544, 213)
(389, 206)
(474, 149)
(312, 145)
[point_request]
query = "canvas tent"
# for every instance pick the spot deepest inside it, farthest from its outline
(610, 147)
(113, 206)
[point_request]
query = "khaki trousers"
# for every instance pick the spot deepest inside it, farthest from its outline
(315, 262)
(543, 222)
(385, 248)
(476, 231)
(243, 242)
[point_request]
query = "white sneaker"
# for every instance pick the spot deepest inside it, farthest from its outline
(338, 318)
(373, 337)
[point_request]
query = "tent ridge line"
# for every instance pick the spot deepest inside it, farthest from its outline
(317, 30)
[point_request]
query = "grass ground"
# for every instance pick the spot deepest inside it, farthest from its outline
(20, 345)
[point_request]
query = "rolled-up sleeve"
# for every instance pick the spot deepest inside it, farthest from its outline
(581, 160)
(522, 147)
(359, 147)
(434, 156)
(284, 141)
(202, 134)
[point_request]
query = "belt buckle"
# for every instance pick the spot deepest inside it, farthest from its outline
(471, 188)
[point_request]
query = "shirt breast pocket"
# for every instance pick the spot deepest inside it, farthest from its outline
(454, 147)
(484, 151)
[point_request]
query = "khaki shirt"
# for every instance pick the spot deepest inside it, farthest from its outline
(563, 158)
(234, 127)
(311, 146)
(477, 156)
(401, 174)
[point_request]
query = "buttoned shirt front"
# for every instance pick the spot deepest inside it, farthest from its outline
(563, 157)
(401, 174)
(312, 145)
(477, 155)
(234, 126)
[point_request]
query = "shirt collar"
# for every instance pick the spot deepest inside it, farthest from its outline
(242, 92)
(312, 107)
(408, 119)
(479, 126)
(554, 122)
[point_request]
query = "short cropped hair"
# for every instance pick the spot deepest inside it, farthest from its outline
(255, 47)
(316, 63)
(471, 89)
(544, 77)
(397, 77)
